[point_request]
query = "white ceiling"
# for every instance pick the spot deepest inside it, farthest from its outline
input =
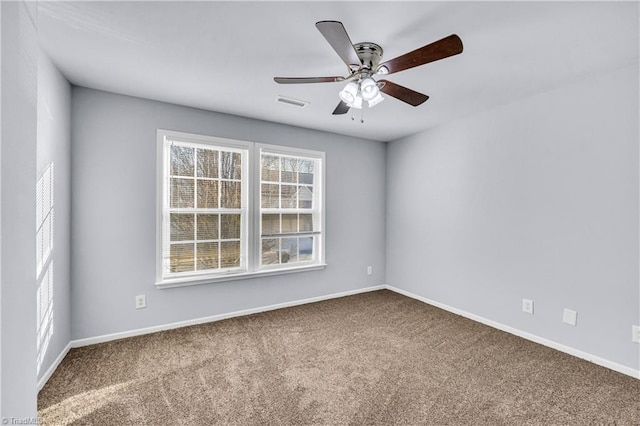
(222, 56)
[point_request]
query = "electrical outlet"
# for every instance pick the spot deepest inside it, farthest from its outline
(527, 306)
(636, 333)
(570, 317)
(369, 270)
(141, 301)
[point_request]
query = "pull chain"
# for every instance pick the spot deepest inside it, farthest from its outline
(361, 115)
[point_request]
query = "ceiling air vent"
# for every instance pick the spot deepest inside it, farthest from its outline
(291, 101)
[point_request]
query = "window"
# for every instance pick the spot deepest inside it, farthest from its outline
(44, 263)
(205, 209)
(231, 209)
(289, 209)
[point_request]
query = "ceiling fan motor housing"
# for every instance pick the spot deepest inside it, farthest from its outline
(370, 55)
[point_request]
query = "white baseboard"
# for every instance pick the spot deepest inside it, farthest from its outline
(121, 335)
(528, 336)
(141, 331)
(47, 374)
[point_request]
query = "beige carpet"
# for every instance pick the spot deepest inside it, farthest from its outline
(374, 358)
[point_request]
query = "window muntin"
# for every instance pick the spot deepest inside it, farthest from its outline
(232, 209)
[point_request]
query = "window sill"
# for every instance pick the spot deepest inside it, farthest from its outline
(189, 281)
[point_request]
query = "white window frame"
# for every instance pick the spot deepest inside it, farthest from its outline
(252, 176)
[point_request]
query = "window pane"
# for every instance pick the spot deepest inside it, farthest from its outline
(289, 170)
(237, 166)
(305, 197)
(288, 197)
(230, 165)
(305, 178)
(270, 168)
(289, 223)
(289, 177)
(289, 252)
(207, 194)
(208, 227)
(230, 195)
(289, 164)
(306, 223)
(207, 256)
(229, 254)
(305, 246)
(305, 166)
(270, 251)
(230, 226)
(270, 195)
(207, 163)
(181, 161)
(270, 224)
(39, 249)
(181, 195)
(181, 258)
(182, 228)
(47, 236)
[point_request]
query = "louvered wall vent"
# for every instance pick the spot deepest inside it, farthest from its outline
(291, 101)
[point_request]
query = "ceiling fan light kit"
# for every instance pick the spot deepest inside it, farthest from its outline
(354, 93)
(363, 62)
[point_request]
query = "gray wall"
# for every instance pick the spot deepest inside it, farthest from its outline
(18, 81)
(53, 146)
(114, 211)
(535, 199)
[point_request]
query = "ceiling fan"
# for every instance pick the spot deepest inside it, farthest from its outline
(363, 62)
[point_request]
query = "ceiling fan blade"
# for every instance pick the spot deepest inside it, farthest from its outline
(338, 38)
(443, 48)
(342, 108)
(402, 93)
(298, 80)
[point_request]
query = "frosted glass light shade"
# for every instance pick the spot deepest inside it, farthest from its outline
(369, 89)
(357, 103)
(349, 93)
(376, 100)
